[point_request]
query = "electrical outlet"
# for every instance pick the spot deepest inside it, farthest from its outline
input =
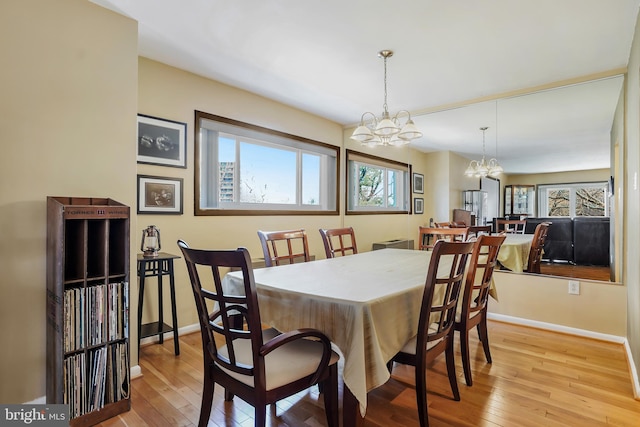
(574, 287)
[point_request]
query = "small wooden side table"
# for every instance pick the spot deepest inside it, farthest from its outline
(158, 266)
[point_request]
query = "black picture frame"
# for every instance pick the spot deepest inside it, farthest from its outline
(418, 205)
(160, 195)
(418, 183)
(161, 142)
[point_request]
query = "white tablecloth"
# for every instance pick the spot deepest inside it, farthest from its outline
(367, 304)
(514, 253)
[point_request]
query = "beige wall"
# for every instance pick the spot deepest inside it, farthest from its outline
(599, 308)
(67, 125)
(458, 182)
(72, 86)
(591, 175)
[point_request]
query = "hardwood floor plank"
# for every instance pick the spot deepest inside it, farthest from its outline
(537, 378)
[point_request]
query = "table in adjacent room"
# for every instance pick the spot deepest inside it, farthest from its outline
(514, 252)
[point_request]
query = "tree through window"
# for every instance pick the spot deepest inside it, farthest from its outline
(571, 200)
(376, 185)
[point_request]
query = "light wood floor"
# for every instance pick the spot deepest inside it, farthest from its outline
(538, 378)
(592, 272)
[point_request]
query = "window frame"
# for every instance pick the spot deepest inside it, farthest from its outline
(543, 200)
(254, 209)
(405, 168)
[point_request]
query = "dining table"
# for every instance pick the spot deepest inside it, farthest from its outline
(368, 304)
(514, 252)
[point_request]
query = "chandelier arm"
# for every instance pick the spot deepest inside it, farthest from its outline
(399, 113)
(372, 124)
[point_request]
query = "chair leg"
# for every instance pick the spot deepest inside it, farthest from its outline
(330, 387)
(464, 351)
(260, 418)
(483, 334)
(421, 393)
(451, 369)
(207, 398)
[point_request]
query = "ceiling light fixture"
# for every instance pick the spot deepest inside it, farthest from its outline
(482, 168)
(385, 130)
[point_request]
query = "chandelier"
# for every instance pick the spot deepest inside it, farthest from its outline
(482, 168)
(385, 130)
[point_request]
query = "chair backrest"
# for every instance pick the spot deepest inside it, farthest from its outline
(442, 224)
(293, 246)
(429, 236)
(218, 312)
(339, 240)
(537, 244)
(477, 230)
(513, 226)
(479, 274)
(441, 292)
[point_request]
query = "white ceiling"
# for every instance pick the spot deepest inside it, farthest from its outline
(321, 57)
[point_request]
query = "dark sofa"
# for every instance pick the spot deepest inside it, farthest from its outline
(581, 240)
(591, 241)
(560, 241)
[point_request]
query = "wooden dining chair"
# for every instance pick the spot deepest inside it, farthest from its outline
(339, 240)
(437, 316)
(430, 235)
(442, 224)
(537, 246)
(293, 245)
(477, 230)
(259, 366)
(511, 226)
(475, 297)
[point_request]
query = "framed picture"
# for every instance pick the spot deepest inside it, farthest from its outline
(418, 205)
(418, 183)
(159, 195)
(161, 142)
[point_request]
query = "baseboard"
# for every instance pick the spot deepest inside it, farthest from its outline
(633, 372)
(556, 328)
(635, 384)
(135, 372)
(169, 335)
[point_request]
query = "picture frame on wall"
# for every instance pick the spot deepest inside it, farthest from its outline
(418, 183)
(159, 195)
(418, 205)
(161, 142)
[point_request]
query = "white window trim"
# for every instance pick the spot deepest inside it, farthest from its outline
(209, 126)
(543, 204)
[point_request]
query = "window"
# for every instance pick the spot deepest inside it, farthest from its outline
(376, 185)
(244, 169)
(571, 200)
